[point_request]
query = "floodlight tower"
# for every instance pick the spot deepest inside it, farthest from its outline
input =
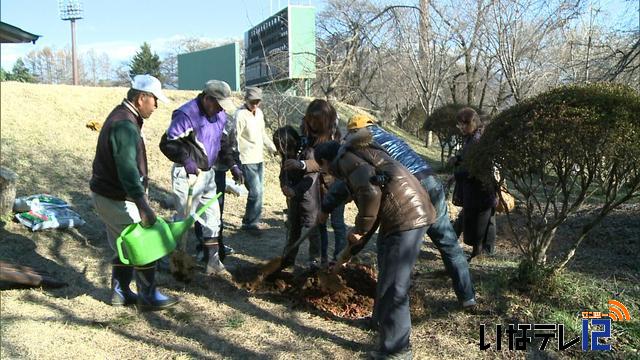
(72, 10)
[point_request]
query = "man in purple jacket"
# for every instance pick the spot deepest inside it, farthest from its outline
(193, 143)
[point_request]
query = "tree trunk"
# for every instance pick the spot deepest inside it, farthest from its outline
(583, 234)
(8, 181)
(425, 35)
(24, 275)
(429, 140)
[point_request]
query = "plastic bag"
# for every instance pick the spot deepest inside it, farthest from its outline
(506, 201)
(54, 218)
(44, 211)
(37, 202)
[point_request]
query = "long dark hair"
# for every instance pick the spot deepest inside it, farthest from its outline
(319, 123)
(287, 142)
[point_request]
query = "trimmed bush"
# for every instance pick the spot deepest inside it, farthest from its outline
(558, 150)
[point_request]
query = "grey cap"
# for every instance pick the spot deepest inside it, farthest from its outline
(252, 93)
(220, 91)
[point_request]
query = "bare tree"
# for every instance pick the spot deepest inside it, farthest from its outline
(98, 68)
(596, 48)
(627, 65)
(518, 32)
(121, 76)
(625, 49)
(104, 66)
(52, 66)
(91, 64)
(62, 63)
(346, 62)
(284, 109)
(423, 68)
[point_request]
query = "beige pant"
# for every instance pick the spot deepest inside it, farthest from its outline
(203, 190)
(116, 215)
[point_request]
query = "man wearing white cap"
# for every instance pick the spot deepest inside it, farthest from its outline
(193, 143)
(119, 185)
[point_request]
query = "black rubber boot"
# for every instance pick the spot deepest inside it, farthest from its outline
(121, 276)
(149, 298)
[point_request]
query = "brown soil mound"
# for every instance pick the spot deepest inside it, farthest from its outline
(353, 300)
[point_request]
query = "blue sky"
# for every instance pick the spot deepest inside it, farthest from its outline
(119, 27)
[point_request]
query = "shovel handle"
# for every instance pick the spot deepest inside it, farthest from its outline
(191, 180)
(303, 237)
(276, 263)
(287, 250)
(346, 253)
(343, 258)
(187, 208)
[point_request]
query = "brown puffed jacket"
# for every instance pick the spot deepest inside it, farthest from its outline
(401, 204)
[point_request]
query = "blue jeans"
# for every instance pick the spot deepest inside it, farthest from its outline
(445, 239)
(339, 232)
(397, 254)
(253, 175)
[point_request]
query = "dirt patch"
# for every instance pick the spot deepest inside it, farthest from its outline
(352, 300)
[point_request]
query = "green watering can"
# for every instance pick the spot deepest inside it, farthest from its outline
(145, 245)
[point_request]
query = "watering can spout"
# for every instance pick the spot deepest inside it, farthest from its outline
(179, 228)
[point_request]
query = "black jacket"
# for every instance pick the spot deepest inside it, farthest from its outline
(179, 150)
(306, 186)
(476, 195)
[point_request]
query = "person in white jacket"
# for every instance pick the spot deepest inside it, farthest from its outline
(252, 139)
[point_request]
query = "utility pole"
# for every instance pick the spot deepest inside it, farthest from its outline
(72, 10)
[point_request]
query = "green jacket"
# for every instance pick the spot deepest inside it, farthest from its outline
(120, 165)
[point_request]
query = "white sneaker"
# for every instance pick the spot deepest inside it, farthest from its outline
(469, 304)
